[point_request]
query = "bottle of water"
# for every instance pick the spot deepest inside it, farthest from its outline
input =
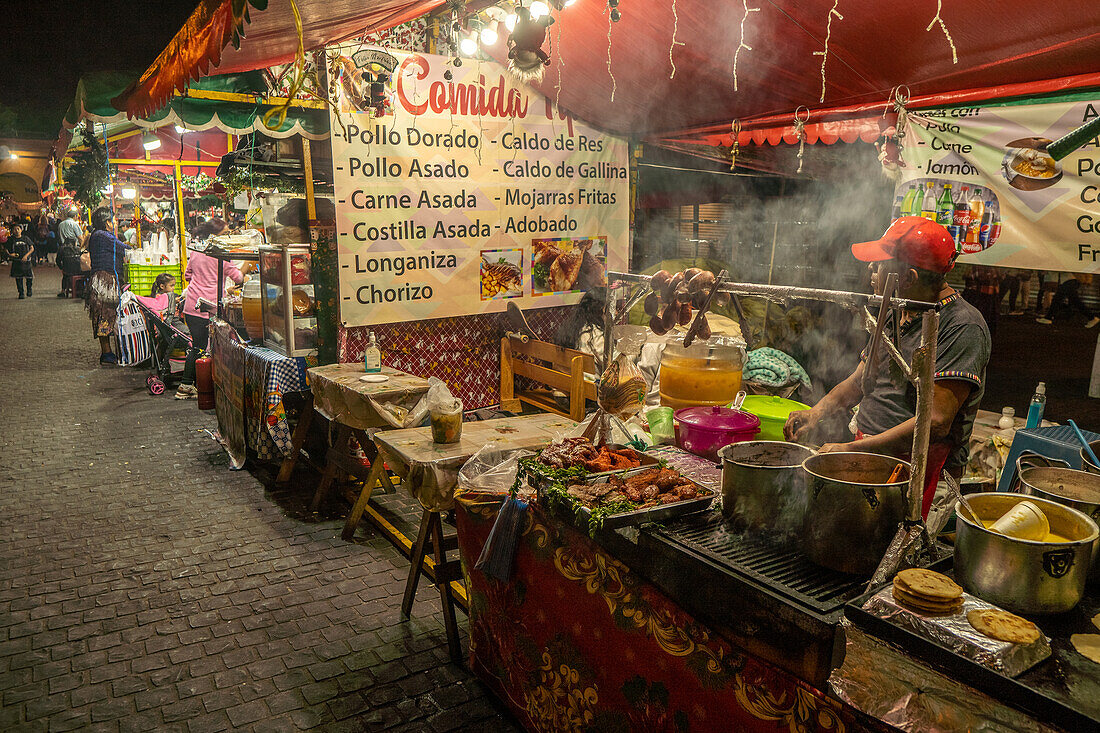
(1038, 404)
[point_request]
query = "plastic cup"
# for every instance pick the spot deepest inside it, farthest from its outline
(1025, 521)
(660, 425)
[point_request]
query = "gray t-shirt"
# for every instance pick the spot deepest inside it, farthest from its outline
(962, 353)
(68, 232)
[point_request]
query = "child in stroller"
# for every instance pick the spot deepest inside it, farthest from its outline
(169, 331)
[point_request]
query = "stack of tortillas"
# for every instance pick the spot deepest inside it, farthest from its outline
(927, 592)
(998, 624)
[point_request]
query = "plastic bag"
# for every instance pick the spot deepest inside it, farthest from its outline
(446, 413)
(622, 387)
(492, 470)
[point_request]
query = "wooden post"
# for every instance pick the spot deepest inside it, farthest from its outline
(181, 228)
(924, 366)
(307, 164)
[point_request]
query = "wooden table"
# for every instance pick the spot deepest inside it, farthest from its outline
(430, 472)
(338, 394)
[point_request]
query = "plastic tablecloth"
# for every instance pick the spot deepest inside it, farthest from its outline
(430, 470)
(340, 395)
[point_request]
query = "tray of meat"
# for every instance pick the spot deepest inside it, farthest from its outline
(580, 453)
(638, 497)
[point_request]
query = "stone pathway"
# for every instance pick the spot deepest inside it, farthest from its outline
(144, 586)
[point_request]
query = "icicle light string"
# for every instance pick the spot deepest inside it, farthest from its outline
(735, 144)
(800, 132)
(609, 71)
(675, 43)
(561, 65)
(943, 26)
(824, 53)
(741, 41)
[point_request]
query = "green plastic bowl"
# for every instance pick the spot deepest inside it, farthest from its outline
(773, 412)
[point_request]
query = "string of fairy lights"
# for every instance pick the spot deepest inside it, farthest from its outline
(524, 25)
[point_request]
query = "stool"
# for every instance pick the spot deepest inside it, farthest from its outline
(431, 525)
(76, 288)
(1056, 441)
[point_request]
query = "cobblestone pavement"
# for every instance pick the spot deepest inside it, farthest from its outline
(144, 586)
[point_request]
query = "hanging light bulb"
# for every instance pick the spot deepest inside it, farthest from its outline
(149, 141)
(129, 193)
(567, 3)
(510, 22)
(468, 45)
(489, 33)
(108, 189)
(181, 129)
(539, 9)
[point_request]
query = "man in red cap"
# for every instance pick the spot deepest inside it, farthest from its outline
(921, 252)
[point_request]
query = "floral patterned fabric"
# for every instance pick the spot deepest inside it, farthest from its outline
(578, 642)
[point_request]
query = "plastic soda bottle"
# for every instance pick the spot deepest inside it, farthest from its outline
(909, 203)
(962, 209)
(977, 211)
(899, 203)
(945, 206)
(928, 204)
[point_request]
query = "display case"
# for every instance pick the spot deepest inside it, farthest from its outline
(287, 299)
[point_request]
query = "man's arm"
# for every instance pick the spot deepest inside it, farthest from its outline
(948, 396)
(841, 398)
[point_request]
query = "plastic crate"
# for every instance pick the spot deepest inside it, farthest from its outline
(141, 276)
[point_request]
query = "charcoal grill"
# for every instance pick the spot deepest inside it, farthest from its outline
(787, 571)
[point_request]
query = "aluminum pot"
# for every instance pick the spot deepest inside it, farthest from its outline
(1024, 576)
(854, 510)
(1068, 487)
(764, 486)
(1086, 462)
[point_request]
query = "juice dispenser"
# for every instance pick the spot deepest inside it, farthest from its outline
(706, 373)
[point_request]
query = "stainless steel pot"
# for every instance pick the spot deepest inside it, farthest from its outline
(1068, 487)
(854, 511)
(764, 486)
(1086, 462)
(1021, 575)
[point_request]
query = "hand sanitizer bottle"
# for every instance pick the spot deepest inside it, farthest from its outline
(1038, 404)
(372, 356)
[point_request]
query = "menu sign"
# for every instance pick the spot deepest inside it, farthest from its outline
(468, 191)
(985, 173)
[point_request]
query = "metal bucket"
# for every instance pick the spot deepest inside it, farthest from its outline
(853, 511)
(764, 486)
(1066, 486)
(1022, 575)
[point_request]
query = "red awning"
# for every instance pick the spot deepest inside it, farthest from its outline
(1003, 46)
(270, 38)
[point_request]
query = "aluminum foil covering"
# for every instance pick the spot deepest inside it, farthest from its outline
(954, 632)
(889, 684)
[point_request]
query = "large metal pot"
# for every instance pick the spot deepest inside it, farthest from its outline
(854, 511)
(764, 486)
(1086, 462)
(1023, 575)
(1068, 487)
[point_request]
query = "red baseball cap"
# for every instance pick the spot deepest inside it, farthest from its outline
(913, 240)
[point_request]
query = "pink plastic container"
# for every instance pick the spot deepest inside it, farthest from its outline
(706, 430)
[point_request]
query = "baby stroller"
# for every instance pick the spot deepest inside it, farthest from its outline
(165, 338)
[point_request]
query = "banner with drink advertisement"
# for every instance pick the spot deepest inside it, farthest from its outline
(986, 174)
(459, 189)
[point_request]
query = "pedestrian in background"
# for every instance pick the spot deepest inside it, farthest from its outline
(20, 251)
(1067, 299)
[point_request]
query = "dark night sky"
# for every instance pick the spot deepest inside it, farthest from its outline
(47, 45)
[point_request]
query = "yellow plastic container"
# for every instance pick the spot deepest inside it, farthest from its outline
(707, 373)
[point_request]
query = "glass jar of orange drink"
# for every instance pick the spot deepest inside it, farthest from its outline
(706, 373)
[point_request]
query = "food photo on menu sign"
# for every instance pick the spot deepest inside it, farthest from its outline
(455, 181)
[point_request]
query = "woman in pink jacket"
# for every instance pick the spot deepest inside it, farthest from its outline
(202, 282)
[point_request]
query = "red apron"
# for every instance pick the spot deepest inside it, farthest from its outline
(937, 459)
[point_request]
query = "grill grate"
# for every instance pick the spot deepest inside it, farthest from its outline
(786, 571)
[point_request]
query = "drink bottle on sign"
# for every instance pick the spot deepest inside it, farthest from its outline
(945, 206)
(994, 232)
(1038, 404)
(977, 210)
(986, 230)
(928, 204)
(898, 210)
(962, 209)
(909, 203)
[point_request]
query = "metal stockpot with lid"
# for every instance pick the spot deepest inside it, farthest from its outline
(854, 509)
(764, 486)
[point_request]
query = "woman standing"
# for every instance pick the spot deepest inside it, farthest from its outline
(20, 251)
(108, 255)
(202, 282)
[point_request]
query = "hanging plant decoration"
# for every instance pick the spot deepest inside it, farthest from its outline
(526, 58)
(88, 174)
